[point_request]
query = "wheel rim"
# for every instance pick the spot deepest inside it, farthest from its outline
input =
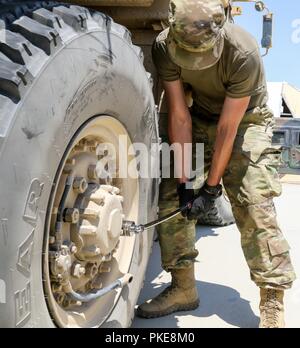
(86, 247)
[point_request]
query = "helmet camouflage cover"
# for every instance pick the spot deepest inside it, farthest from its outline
(195, 40)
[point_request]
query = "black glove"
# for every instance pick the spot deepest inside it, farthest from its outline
(186, 196)
(204, 201)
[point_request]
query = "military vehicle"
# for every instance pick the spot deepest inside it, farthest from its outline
(73, 80)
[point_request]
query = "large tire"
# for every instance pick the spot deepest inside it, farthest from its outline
(59, 69)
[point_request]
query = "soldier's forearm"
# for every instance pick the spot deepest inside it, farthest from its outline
(231, 117)
(180, 128)
(180, 135)
(223, 150)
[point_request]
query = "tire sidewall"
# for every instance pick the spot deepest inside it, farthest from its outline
(78, 82)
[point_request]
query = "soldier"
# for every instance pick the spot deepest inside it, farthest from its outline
(221, 64)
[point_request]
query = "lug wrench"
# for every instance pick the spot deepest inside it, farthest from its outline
(130, 227)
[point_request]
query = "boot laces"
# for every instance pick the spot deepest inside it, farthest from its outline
(168, 291)
(271, 308)
(171, 289)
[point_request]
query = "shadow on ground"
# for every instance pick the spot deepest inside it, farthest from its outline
(206, 231)
(215, 299)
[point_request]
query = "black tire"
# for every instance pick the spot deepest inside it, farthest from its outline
(220, 215)
(59, 68)
(11, 10)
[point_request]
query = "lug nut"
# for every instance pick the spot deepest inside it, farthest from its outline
(51, 240)
(56, 287)
(80, 185)
(102, 151)
(73, 249)
(83, 144)
(59, 297)
(67, 302)
(78, 270)
(92, 251)
(92, 144)
(89, 287)
(96, 283)
(71, 161)
(104, 269)
(91, 270)
(92, 172)
(68, 168)
(71, 215)
(106, 258)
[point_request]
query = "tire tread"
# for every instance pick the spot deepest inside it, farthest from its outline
(38, 24)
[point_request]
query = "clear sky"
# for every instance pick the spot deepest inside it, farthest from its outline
(283, 60)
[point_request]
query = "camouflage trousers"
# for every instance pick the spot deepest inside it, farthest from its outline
(251, 182)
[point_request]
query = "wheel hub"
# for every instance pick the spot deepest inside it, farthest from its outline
(101, 218)
(91, 226)
(85, 249)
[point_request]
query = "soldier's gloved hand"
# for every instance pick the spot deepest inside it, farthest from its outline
(186, 197)
(204, 201)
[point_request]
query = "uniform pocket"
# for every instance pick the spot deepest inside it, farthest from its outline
(251, 143)
(275, 154)
(254, 141)
(264, 161)
(251, 176)
(278, 246)
(254, 152)
(270, 155)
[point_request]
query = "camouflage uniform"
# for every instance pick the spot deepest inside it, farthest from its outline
(251, 179)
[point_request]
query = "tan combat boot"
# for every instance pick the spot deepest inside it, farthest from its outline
(271, 309)
(181, 295)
